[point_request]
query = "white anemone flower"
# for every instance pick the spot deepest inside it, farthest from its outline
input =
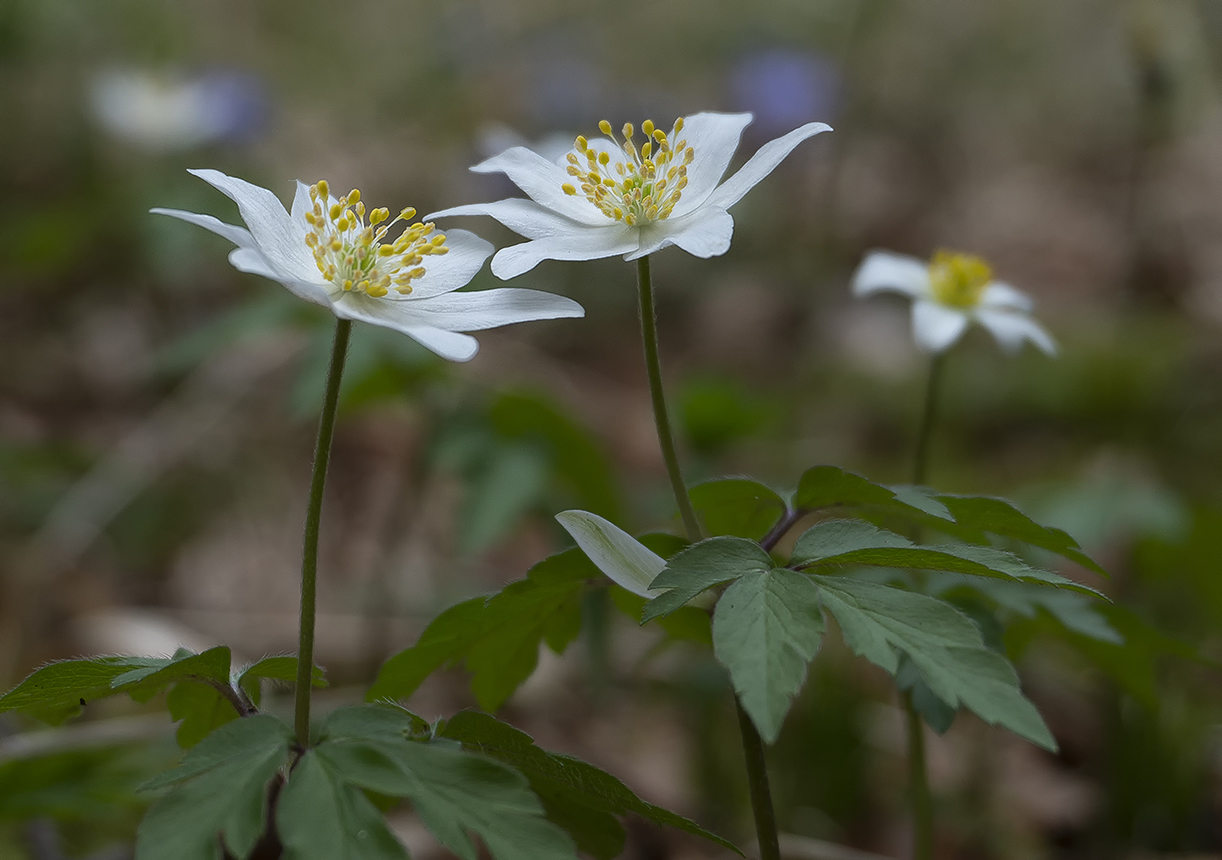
(611, 196)
(949, 292)
(324, 251)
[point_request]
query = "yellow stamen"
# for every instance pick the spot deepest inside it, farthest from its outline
(958, 280)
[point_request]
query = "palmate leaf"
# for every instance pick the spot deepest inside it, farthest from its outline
(879, 622)
(219, 789)
(577, 796)
(702, 566)
(496, 637)
(838, 542)
(737, 506)
(967, 518)
(457, 795)
(766, 630)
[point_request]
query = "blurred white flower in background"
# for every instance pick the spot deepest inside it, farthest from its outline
(325, 252)
(175, 112)
(949, 292)
(609, 197)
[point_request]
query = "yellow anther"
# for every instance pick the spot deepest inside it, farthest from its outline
(603, 126)
(646, 150)
(604, 158)
(647, 128)
(310, 219)
(679, 124)
(354, 196)
(568, 189)
(335, 210)
(311, 239)
(407, 213)
(660, 136)
(958, 280)
(324, 189)
(360, 209)
(347, 285)
(627, 130)
(377, 216)
(582, 143)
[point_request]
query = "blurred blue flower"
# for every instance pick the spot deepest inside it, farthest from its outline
(785, 88)
(179, 112)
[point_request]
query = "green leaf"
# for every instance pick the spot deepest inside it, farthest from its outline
(586, 798)
(220, 788)
(850, 542)
(939, 715)
(201, 709)
(831, 486)
(999, 517)
(737, 506)
(321, 816)
(456, 794)
(209, 667)
(280, 668)
(625, 560)
(700, 567)
(685, 624)
(878, 621)
(497, 637)
(766, 629)
(54, 692)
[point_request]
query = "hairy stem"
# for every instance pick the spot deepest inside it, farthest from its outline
(929, 413)
(753, 746)
(653, 366)
(918, 784)
(309, 552)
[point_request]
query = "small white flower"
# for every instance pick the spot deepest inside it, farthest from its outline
(607, 197)
(949, 292)
(325, 252)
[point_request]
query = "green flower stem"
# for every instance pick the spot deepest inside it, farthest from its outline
(932, 388)
(309, 552)
(918, 776)
(753, 746)
(666, 437)
(918, 784)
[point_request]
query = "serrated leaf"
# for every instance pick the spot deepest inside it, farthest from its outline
(879, 621)
(54, 692)
(456, 794)
(702, 566)
(220, 788)
(208, 667)
(597, 795)
(279, 668)
(999, 517)
(890, 550)
(322, 816)
(766, 630)
(921, 498)
(624, 559)
(497, 637)
(737, 506)
(831, 486)
(936, 713)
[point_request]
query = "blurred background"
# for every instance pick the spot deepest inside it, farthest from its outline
(157, 414)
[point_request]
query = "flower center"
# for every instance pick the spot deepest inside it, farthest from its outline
(958, 280)
(642, 185)
(350, 253)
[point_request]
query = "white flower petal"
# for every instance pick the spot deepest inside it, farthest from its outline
(524, 217)
(625, 560)
(935, 326)
(450, 345)
(455, 268)
(542, 181)
(281, 241)
(1011, 329)
(714, 138)
(704, 233)
(1003, 296)
(884, 271)
(301, 204)
(239, 236)
(249, 260)
(483, 309)
(761, 164)
(581, 243)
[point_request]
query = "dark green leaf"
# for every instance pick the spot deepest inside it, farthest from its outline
(878, 621)
(837, 537)
(321, 816)
(456, 794)
(830, 487)
(737, 506)
(581, 785)
(497, 637)
(208, 667)
(700, 567)
(685, 624)
(280, 668)
(54, 692)
(220, 788)
(939, 715)
(766, 629)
